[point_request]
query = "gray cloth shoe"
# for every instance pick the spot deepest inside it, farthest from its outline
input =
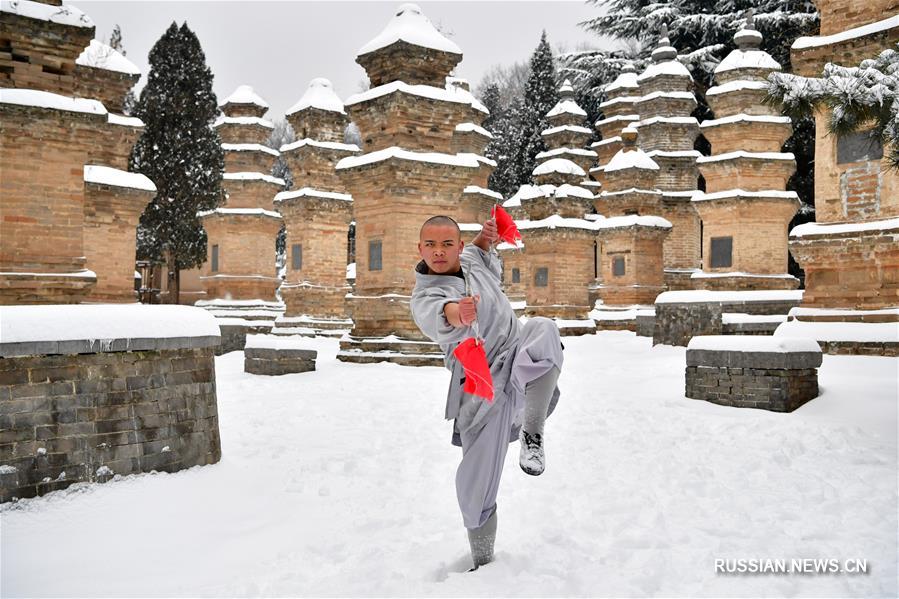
(531, 458)
(538, 393)
(481, 541)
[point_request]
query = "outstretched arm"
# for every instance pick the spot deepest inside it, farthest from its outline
(487, 236)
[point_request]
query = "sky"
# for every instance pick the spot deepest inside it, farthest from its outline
(278, 47)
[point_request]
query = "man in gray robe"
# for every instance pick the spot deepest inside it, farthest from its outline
(525, 362)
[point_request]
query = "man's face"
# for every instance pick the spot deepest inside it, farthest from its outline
(440, 246)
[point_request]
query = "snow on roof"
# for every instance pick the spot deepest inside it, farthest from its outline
(747, 59)
(331, 145)
(674, 153)
(838, 228)
(462, 159)
(670, 95)
(737, 85)
(699, 274)
(563, 151)
(753, 343)
(843, 36)
(125, 121)
(351, 270)
(705, 295)
(243, 120)
(614, 119)
(625, 159)
(597, 144)
(745, 154)
(244, 95)
(64, 15)
(700, 196)
(572, 128)
(671, 120)
(320, 94)
(605, 194)
(746, 118)
(621, 100)
(101, 322)
(567, 190)
(631, 220)
(625, 80)
(240, 212)
(668, 67)
(447, 94)
(105, 175)
(40, 99)
(566, 86)
(410, 25)
(487, 192)
(250, 148)
(876, 332)
(466, 127)
(567, 107)
(251, 176)
(99, 55)
(313, 193)
(559, 165)
(556, 222)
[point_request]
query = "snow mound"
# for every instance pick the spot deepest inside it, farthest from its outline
(450, 93)
(754, 343)
(559, 165)
(410, 25)
(105, 175)
(747, 59)
(320, 94)
(668, 67)
(463, 159)
(567, 107)
(40, 99)
(64, 15)
(244, 95)
(472, 127)
(251, 176)
(331, 145)
(99, 55)
(250, 148)
(625, 159)
(314, 193)
(124, 121)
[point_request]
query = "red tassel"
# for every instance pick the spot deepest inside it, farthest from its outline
(478, 380)
(505, 226)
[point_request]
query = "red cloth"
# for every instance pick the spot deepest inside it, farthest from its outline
(478, 380)
(505, 226)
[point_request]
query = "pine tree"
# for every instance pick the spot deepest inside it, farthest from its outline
(505, 149)
(490, 98)
(179, 151)
(540, 95)
(281, 135)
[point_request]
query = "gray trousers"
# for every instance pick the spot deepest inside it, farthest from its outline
(484, 449)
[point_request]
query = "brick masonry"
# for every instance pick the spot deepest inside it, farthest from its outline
(259, 360)
(676, 324)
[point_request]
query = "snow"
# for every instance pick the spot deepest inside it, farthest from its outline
(125, 121)
(351, 270)
(675, 154)
(487, 192)
(311, 192)
(747, 59)
(625, 118)
(631, 220)
(746, 118)
(571, 128)
(243, 120)
(753, 343)
(559, 165)
(567, 190)
(629, 190)
(670, 120)
(704, 295)
(850, 34)
(566, 107)
(104, 175)
(410, 25)
(556, 222)
(566, 87)
(470, 227)
(79, 274)
(279, 342)
(241, 303)
(316, 472)
(74, 322)
(446, 94)
(739, 85)
(611, 140)
(698, 274)
(625, 80)
(239, 212)
(467, 127)
(668, 67)
(64, 15)
(750, 155)
(250, 148)
(740, 318)
(99, 55)
(621, 100)
(701, 196)
(564, 151)
(876, 332)
(625, 159)
(529, 192)
(320, 94)
(462, 159)
(800, 311)
(563, 323)
(244, 94)
(836, 229)
(251, 176)
(668, 95)
(32, 97)
(331, 145)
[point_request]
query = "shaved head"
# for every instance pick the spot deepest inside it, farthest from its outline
(441, 221)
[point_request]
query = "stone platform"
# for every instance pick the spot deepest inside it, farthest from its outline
(304, 325)
(274, 355)
(846, 332)
(777, 374)
(239, 318)
(389, 349)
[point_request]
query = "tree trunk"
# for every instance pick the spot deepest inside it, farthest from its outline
(176, 286)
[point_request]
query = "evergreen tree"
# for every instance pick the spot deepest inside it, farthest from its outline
(505, 149)
(540, 95)
(490, 98)
(281, 135)
(115, 42)
(179, 151)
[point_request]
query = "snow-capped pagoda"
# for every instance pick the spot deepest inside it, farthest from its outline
(317, 214)
(745, 209)
(410, 170)
(667, 134)
(70, 208)
(618, 112)
(241, 235)
(632, 237)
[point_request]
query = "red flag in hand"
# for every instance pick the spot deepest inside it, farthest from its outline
(505, 226)
(478, 380)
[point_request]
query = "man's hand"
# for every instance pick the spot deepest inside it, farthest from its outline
(468, 309)
(488, 235)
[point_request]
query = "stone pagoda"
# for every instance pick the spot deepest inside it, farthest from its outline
(317, 214)
(409, 170)
(619, 111)
(241, 235)
(556, 268)
(745, 209)
(69, 207)
(667, 135)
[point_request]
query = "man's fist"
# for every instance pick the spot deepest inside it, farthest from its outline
(489, 231)
(468, 309)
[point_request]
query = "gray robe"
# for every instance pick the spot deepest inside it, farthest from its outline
(517, 355)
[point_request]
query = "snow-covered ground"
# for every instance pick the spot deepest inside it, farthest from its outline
(340, 483)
